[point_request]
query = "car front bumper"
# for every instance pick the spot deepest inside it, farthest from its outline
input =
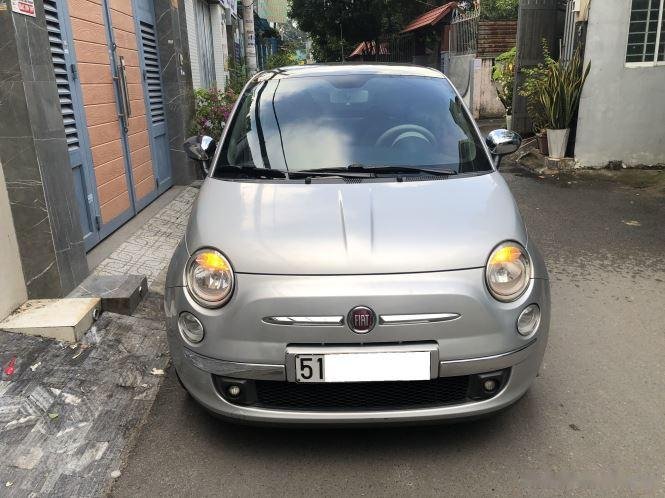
(241, 344)
(197, 374)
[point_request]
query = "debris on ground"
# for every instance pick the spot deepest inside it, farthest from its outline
(649, 178)
(67, 418)
(9, 369)
(64, 415)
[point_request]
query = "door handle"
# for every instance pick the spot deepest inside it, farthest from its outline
(123, 91)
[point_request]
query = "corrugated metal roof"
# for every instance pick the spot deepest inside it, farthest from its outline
(430, 18)
(360, 49)
(369, 48)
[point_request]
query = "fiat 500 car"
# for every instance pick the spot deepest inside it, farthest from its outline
(354, 256)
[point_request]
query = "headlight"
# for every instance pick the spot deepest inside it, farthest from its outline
(508, 271)
(209, 278)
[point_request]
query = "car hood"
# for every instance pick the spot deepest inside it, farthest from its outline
(355, 228)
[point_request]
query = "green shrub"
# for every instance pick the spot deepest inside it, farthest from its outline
(499, 10)
(503, 75)
(532, 88)
(212, 109)
(238, 76)
(281, 58)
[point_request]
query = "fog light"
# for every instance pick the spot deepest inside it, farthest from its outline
(487, 385)
(190, 327)
(529, 320)
(233, 391)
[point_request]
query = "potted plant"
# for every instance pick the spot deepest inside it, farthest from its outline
(503, 76)
(560, 97)
(531, 89)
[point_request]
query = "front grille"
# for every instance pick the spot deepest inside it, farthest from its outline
(362, 395)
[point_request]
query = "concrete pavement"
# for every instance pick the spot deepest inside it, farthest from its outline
(591, 424)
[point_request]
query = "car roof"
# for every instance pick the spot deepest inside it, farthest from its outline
(350, 69)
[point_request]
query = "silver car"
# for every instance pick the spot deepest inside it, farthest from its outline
(354, 256)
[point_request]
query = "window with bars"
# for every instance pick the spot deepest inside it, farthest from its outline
(646, 36)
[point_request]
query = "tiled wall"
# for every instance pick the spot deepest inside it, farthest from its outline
(176, 74)
(35, 161)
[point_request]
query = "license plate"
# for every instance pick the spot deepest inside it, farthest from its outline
(363, 367)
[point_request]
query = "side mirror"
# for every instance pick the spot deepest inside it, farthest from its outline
(200, 148)
(503, 142)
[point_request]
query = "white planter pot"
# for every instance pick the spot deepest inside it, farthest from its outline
(509, 122)
(557, 141)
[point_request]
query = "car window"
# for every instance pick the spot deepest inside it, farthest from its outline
(304, 123)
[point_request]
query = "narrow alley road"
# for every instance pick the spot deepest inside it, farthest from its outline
(591, 424)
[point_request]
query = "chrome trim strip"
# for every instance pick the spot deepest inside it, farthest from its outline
(451, 368)
(256, 371)
(303, 321)
(417, 318)
(292, 351)
(446, 368)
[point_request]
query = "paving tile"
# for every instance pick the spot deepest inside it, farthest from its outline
(68, 412)
(149, 250)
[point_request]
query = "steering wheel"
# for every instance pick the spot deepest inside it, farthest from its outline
(393, 135)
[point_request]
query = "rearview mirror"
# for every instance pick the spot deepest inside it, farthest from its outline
(503, 142)
(200, 148)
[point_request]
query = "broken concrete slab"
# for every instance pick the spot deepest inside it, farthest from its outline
(119, 293)
(61, 319)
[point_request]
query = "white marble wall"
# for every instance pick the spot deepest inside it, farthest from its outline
(12, 290)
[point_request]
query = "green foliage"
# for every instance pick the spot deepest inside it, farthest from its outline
(270, 33)
(281, 58)
(212, 109)
(499, 10)
(532, 89)
(238, 77)
(293, 39)
(560, 90)
(503, 75)
(359, 20)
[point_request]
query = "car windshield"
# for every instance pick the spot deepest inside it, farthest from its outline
(333, 121)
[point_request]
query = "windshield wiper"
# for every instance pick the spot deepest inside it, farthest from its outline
(256, 172)
(363, 168)
(329, 172)
(252, 171)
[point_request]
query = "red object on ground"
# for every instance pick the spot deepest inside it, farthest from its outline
(9, 369)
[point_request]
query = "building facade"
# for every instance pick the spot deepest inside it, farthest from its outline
(623, 102)
(207, 27)
(96, 99)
